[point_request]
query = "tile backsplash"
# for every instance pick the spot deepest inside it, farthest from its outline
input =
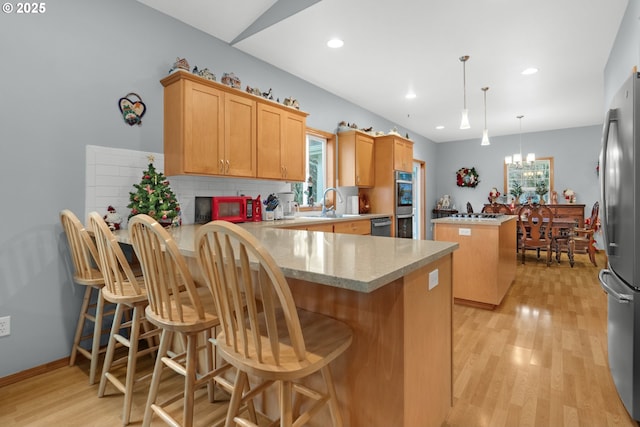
(111, 173)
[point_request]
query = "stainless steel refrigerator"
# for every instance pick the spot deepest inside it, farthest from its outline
(620, 194)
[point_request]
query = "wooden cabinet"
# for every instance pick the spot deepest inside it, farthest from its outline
(213, 129)
(281, 143)
(569, 210)
(239, 148)
(563, 210)
(484, 265)
(360, 226)
(392, 153)
(193, 127)
(355, 159)
(399, 149)
(328, 228)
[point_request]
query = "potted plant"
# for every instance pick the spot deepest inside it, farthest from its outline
(516, 191)
(541, 190)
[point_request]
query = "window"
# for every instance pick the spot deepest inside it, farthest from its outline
(309, 193)
(529, 180)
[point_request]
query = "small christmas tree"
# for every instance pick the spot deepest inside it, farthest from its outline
(154, 197)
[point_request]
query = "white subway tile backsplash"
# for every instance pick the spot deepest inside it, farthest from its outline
(111, 173)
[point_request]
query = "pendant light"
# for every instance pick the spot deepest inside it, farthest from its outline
(464, 123)
(516, 159)
(485, 132)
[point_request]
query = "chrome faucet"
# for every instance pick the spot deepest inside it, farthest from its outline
(331, 210)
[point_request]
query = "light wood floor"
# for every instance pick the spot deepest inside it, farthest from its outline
(540, 359)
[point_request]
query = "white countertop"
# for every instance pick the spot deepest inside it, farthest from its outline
(355, 262)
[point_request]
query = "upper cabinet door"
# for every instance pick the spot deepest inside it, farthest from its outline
(355, 159)
(364, 161)
(240, 156)
(281, 143)
(403, 155)
(193, 128)
(270, 131)
(295, 152)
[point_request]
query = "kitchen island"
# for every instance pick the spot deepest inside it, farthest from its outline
(396, 294)
(485, 264)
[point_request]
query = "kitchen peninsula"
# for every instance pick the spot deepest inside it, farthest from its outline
(396, 294)
(485, 264)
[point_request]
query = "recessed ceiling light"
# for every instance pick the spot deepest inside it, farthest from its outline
(335, 43)
(529, 71)
(410, 95)
(440, 127)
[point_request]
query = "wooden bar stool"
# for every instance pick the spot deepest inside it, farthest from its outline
(262, 333)
(84, 255)
(176, 306)
(123, 288)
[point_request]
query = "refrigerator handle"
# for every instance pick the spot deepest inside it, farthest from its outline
(611, 116)
(621, 298)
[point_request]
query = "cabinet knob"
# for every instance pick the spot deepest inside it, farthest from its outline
(221, 167)
(228, 165)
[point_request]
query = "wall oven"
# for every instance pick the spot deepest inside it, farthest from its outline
(404, 205)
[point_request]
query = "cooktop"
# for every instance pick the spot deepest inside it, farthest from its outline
(477, 216)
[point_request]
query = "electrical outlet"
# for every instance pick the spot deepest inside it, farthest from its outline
(433, 279)
(5, 326)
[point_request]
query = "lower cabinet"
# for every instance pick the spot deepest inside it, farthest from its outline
(362, 227)
(353, 227)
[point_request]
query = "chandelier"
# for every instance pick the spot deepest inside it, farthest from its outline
(516, 159)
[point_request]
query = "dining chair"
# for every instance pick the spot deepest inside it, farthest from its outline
(84, 255)
(535, 223)
(127, 291)
(583, 237)
(176, 306)
(497, 208)
(469, 207)
(262, 333)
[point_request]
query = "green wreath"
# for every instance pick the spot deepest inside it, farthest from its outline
(466, 177)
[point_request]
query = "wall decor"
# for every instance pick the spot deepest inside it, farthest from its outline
(132, 111)
(467, 177)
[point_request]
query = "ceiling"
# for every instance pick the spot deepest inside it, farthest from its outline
(393, 47)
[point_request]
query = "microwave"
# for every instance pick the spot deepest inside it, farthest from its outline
(232, 208)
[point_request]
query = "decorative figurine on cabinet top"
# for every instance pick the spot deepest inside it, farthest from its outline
(291, 102)
(204, 73)
(180, 64)
(232, 80)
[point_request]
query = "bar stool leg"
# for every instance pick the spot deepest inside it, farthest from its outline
(97, 334)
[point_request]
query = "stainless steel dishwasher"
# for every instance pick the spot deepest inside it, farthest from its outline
(381, 226)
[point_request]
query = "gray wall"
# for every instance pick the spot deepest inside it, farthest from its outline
(575, 153)
(63, 74)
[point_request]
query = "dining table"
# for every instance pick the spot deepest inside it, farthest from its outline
(561, 236)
